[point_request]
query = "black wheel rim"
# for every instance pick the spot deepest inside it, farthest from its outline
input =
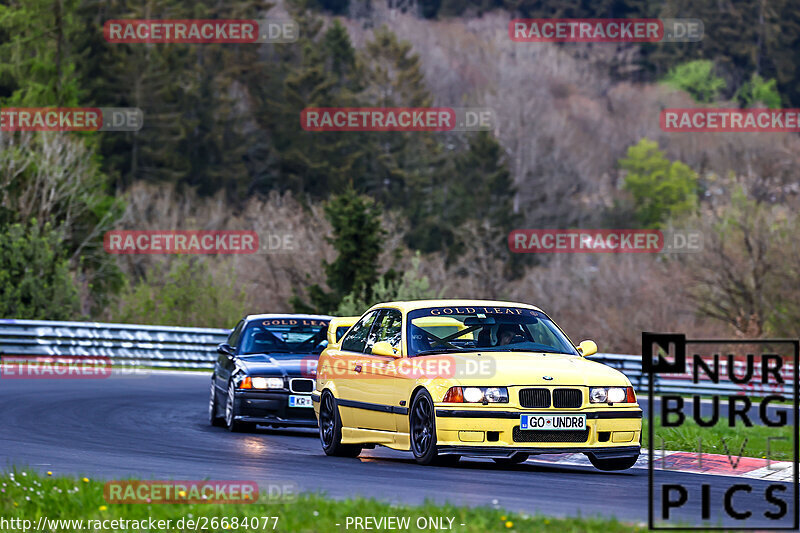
(422, 426)
(326, 421)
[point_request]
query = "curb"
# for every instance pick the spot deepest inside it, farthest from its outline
(691, 462)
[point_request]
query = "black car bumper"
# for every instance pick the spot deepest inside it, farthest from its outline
(272, 407)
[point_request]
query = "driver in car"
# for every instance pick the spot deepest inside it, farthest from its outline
(506, 333)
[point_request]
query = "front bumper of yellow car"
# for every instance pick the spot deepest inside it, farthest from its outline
(495, 432)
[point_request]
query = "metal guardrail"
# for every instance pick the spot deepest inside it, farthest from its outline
(631, 366)
(123, 344)
(180, 347)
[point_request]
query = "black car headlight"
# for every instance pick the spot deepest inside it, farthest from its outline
(476, 395)
(261, 383)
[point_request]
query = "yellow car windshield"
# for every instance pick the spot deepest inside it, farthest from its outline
(478, 328)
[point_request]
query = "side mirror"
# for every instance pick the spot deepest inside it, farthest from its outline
(385, 349)
(225, 349)
(587, 348)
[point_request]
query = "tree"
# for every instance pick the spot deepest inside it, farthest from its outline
(35, 282)
(758, 91)
(412, 285)
(184, 292)
(746, 276)
(55, 179)
(661, 189)
(195, 132)
(697, 79)
(37, 54)
(475, 184)
(320, 70)
(357, 239)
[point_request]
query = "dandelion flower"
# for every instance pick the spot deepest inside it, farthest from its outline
(85, 480)
(509, 524)
(103, 507)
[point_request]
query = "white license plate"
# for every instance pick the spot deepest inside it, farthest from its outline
(300, 401)
(551, 422)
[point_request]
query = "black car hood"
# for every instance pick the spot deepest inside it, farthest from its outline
(294, 365)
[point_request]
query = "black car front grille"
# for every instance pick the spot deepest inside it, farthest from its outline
(567, 398)
(535, 398)
(549, 436)
(303, 385)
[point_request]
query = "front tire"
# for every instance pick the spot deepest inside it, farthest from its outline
(609, 465)
(213, 418)
(233, 425)
(422, 426)
(330, 429)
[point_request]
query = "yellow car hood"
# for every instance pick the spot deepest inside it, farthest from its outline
(515, 368)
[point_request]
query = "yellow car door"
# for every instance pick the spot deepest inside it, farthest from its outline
(347, 373)
(380, 384)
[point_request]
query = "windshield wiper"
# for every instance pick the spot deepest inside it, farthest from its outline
(442, 350)
(535, 351)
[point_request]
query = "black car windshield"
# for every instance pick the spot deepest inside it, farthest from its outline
(284, 335)
(496, 329)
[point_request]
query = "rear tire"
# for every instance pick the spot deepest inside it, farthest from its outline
(330, 429)
(609, 465)
(515, 459)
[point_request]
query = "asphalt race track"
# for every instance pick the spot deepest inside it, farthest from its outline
(154, 427)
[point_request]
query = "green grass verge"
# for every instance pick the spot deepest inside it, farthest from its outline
(685, 438)
(28, 495)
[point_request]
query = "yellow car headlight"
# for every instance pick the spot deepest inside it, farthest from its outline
(482, 395)
(612, 395)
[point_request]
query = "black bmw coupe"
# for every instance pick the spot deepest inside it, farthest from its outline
(265, 372)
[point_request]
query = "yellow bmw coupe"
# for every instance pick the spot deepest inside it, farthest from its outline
(452, 378)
